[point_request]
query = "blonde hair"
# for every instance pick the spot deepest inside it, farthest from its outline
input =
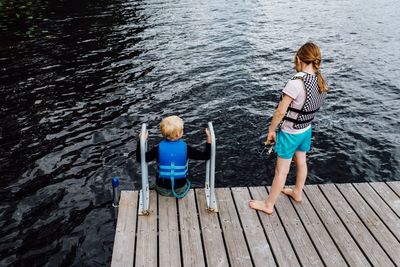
(171, 127)
(310, 53)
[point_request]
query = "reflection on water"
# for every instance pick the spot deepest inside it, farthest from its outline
(79, 77)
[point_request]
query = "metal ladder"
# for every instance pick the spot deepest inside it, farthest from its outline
(144, 207)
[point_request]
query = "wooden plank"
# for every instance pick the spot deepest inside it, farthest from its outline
(323, 242)
(381, 233)
(192, 249)
(365, 240)
(395, 185)
(385, 213)
(259, 248)
(212, 236)
(346, 244)
(169, 247)
(146, 240)
(232, 230)
(279, 242)
(124, 242)
(388, 195)
(302, 243)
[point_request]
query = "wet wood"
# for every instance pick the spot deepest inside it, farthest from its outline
(192, 249)
(390, 197)
(146, 251)
(302, 243)
(212, 233)
(380, 232)
(323, 242)
(385, 213)
(346, 244)
(276, 235)
(258, 245)
(169, 252)
(233, 233)
(124, 242)
(395, 186)
(335, 225)
(358, 230)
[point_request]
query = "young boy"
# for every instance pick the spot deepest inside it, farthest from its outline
(172, 155)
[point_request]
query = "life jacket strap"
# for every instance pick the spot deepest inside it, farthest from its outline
(170, 167)
(188, 184)
(172, 173)
(302, 111)
(168, 171)
(296, 120)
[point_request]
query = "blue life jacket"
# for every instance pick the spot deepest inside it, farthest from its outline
(172, 159)
(173, 163)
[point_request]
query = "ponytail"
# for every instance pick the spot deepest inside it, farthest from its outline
(322, 87)
(310, 53)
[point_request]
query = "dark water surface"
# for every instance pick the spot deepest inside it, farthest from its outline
(78, 78)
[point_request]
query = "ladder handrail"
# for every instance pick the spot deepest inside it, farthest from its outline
(144, 208)
(210, 173)
(144, 193)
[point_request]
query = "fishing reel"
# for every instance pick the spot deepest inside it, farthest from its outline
(267, 148)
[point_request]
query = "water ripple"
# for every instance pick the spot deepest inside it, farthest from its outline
(78, 79)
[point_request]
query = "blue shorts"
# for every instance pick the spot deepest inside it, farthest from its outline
(287, 144)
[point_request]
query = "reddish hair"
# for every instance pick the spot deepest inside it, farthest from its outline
(310, 53)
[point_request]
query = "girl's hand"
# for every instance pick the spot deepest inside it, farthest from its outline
(271, 138)
(208, 136)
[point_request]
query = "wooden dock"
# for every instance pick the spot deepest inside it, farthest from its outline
(335, 225)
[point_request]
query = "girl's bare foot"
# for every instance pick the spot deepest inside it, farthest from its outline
(261, 206)
(291, 193)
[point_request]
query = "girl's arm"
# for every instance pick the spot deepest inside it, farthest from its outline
(277, 117)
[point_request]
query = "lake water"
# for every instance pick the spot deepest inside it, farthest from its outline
(78, 78)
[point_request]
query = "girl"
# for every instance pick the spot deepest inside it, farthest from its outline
(302, 97)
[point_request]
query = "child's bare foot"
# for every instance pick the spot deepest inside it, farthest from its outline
(291, 193)
(261, 206)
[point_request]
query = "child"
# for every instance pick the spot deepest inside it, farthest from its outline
(302, 97)
(172, 155)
